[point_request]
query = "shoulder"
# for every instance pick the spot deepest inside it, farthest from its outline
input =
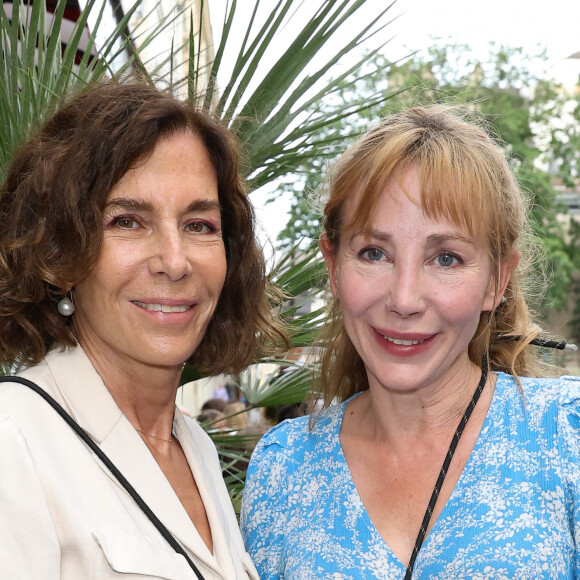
(567, 438)
(540, 395)
(550, 410)
(570, 392)
(276, 453)
(28, 428)
(39, 374)
(291, 446)
(551, 395)
(53, 373)
(291, 463)
(295, 436)
(19, 401)
(285, 435)
(569, 420)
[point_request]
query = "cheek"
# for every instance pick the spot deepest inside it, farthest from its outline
(91, 288)
(359, 292)
(462, 311)
(215, 270)
(116, 267)
(116, 261)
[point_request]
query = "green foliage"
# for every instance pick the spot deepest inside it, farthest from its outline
(573, 251)
(35, 75)
(367, 91)
(517, 105)
(278, 118)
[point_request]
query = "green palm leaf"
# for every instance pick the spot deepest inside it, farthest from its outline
(35, 74)
(277, 124)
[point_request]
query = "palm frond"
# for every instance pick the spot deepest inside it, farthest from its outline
(35, 74)
(275, 119)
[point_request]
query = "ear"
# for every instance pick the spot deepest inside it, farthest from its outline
(497, 285)
(329, 250)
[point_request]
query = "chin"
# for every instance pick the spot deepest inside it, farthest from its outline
(168, 358)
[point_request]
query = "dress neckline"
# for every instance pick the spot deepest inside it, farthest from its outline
(479, 444)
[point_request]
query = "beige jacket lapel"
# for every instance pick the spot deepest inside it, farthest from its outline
(204, 464)
(84, 395)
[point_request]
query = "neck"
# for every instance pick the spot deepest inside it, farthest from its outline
(145, 394)
(406, 417)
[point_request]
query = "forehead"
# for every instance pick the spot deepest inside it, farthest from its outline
(440, 199)
(179, 165)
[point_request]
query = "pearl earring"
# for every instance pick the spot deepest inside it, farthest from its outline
(66, 307)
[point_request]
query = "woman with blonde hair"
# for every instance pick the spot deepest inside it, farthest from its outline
(444, 456)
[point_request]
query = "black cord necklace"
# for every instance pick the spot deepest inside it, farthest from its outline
(445, 468)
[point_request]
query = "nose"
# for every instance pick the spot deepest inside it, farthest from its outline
(406, 296)
(169, 256)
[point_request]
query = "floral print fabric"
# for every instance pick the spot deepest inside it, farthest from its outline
(514, 513)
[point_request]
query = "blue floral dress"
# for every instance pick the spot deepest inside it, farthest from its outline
(514, 513)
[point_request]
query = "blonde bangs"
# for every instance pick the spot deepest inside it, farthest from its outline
(461, 181)
(466, 178)
(452, 190)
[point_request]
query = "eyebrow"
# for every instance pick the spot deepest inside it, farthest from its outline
(129, 203)
(442, 238)
(435, 239)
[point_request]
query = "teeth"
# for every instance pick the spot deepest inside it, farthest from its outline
(162, 307)
(403, 342)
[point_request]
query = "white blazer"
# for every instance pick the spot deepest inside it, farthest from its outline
(63, 515)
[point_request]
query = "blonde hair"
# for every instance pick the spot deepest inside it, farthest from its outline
(465, 177)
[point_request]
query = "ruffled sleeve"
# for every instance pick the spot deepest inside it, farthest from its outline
(264, 512)
(569, 446)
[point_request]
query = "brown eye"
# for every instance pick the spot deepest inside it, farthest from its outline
(125, 223)
(197, 227)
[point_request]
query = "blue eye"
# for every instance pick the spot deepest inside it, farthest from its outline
(446, 260)
(373, 254)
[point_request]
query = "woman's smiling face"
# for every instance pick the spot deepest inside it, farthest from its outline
(411, 293)
(162, 264)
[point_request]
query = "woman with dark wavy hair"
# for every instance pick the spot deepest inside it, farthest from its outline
(440, 454)
(127, 250)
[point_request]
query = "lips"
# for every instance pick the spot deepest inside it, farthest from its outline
(166, 308)
(404, 338)
(401, 344)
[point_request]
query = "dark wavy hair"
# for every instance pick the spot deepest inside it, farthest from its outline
(51, 207)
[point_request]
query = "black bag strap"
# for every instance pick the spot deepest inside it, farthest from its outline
(110, 466)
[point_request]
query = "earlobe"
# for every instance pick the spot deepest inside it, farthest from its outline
(328, 250)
